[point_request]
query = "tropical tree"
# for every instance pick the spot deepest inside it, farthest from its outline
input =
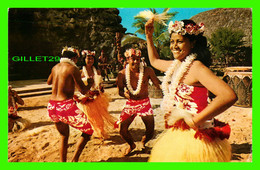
(226, 45)
(160, 36)
(129, 39)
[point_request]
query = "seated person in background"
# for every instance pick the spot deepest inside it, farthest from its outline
(13, 99)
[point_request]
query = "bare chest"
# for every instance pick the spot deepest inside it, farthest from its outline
(136, 78)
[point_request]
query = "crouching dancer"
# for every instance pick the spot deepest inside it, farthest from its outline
(64, 77)
(136, 76)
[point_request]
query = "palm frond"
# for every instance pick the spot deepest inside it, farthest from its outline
(140, 31)
(153, 10)
(163, 37)
(131, 39)
(166, 9)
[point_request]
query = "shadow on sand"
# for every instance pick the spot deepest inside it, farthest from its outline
(32, 108)
(127, 159)
(244, 148)
(39, 124)
(137, 134)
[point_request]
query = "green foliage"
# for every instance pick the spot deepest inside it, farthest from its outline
(160, 36)
(129, 39)
(140, 24)
(226, 44)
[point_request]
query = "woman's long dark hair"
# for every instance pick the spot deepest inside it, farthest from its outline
(201, 47)
(95, 64)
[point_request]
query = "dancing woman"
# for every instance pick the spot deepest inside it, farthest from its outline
(193, 134)
(95, 103)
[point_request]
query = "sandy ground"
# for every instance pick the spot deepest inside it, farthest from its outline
(40, 141)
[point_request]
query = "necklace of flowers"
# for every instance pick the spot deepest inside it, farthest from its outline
(67, 60)
(140, 79)
(96, 78)
(93, 93)
(172, 79)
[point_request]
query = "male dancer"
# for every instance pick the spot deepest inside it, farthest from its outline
(136, 76)
(64, 77)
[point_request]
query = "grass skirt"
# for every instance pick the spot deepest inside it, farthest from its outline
(97, 112)
(177, 145)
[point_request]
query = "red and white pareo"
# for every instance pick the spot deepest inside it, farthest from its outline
(135, 108)
(180, 143)
(67, 112)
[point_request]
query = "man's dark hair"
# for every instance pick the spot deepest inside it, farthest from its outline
(69, 54)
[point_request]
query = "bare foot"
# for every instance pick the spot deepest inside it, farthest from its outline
(142, 141)
(130, 149)
(144, 148)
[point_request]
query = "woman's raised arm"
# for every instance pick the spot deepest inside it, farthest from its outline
(154, 58)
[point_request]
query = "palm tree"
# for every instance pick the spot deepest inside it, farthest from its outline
(160, 36)
(130, 40)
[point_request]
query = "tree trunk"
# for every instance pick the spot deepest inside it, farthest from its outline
(227, 61)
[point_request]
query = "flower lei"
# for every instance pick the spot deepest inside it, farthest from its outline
(140, 79)
(67, 60)
(96, 76)
(178, 27)
(93, 93)
(172, 79)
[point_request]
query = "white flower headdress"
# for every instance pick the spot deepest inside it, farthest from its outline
(66, 48)
(131, 51)
(178, 27)
(88, 52)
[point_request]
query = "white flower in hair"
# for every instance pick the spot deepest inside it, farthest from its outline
(179, 28)
(67, 60)
(131, 51)
(66, 48)
(176, 27)
(88, 52)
